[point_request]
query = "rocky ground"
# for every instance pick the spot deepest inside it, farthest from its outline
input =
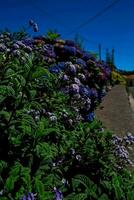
(116, 111)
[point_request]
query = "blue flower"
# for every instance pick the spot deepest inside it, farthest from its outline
(61, 65)
(90, 117)
(57, 68)
(54, 69)
(81, 62)
(85, 91)
(71, 51)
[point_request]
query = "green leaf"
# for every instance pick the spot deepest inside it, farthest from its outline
(117, 187)
(5, 114)
(3, 165)
(130, 195)
(9, 185)
(7, 90)
(2, 98)
(89, 185)
(74, 196)
(22, 80)
(46, 151)
(103, 197)
(39, 188)
(40, 72)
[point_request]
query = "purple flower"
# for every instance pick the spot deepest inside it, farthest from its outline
(58, 194)
(94, 93)
(77, 81)
(70, 43)
(48, 50)
(71, 51)
(107, 71)
(20, 43)
(16, 46)
(82, 77)
(29, 196)
(16, 53)
(81, 62)
(28, 49)
(65, 78)
(71, 69)
(74, 88)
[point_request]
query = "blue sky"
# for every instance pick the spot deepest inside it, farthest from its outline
(113, 29)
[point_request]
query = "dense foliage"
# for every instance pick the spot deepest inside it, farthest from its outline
(51, 147)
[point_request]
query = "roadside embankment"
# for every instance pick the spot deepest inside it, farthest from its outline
(131, 97)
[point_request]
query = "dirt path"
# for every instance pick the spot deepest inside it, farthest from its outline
(116, 112)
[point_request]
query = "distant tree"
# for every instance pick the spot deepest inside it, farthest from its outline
(110, 58)
(52, 34)
(95, 55)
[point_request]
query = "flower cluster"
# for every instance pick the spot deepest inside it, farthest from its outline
(80, 75)
(58, 194)
(122, 148)
(29, 196)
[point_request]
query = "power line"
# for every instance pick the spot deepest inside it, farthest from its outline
(44, 12)
(94, 17)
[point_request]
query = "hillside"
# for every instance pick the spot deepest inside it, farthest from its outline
(51, 145)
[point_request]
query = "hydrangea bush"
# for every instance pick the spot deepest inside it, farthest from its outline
(51, 146)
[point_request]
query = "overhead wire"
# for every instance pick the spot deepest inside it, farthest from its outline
(75, 30)
(57, 21)
(101, 12)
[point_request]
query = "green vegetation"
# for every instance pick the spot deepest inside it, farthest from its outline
(42, 150)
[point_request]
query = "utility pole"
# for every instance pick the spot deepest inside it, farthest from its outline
(113, 51)
(100, 52)
(107, 56)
